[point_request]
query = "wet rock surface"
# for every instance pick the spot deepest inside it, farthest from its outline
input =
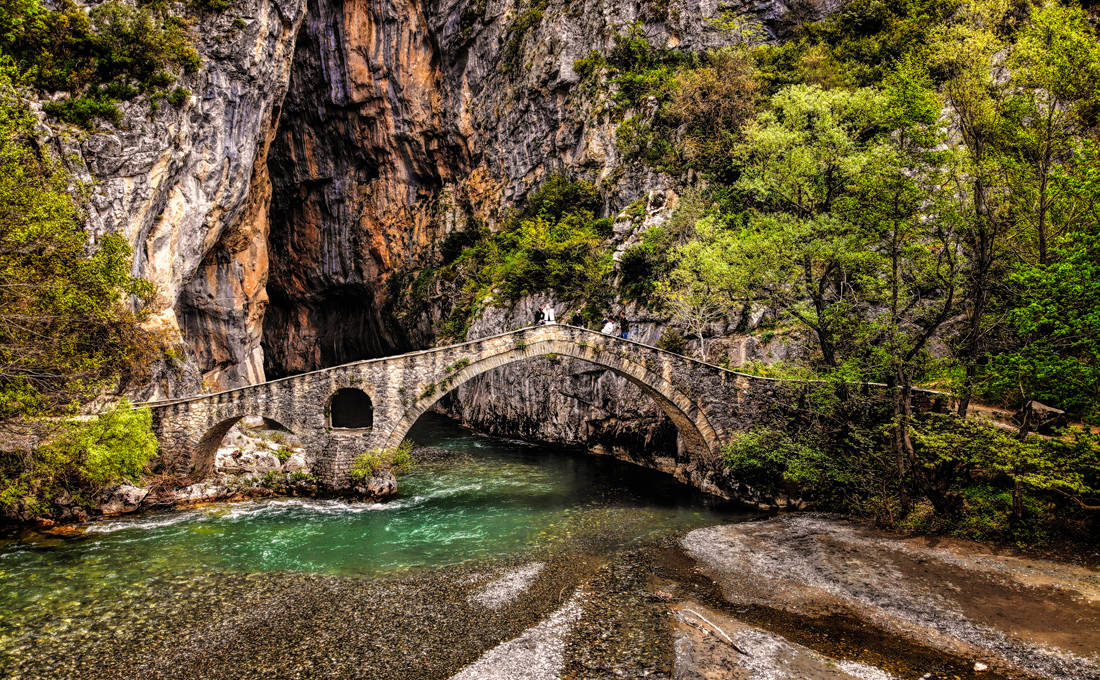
(712, 646)
(1020, 618)
(508, 587)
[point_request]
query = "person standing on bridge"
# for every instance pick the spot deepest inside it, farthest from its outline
(540, 316)
(624, 326)
(548, 313)
(608, 326)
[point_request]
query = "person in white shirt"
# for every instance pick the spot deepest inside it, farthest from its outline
(548, 314)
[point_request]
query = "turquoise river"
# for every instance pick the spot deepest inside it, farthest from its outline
(325, 588)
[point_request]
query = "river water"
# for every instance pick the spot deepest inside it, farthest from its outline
(188, 593)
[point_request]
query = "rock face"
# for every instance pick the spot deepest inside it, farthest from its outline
(188, 187)
(331, 146)
(1015, 616)
(406, 121)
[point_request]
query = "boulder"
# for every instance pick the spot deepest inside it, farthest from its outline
(297, 461)
(1040, 417)
(378, 488)
(121, 498)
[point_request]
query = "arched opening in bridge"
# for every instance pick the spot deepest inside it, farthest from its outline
(248, 444)
(351, 408)
(676, 436)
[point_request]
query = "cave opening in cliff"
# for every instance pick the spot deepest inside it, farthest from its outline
(356, 167)
(351, 408)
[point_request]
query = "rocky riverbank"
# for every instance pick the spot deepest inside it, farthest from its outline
(253, 461)
(802, 597)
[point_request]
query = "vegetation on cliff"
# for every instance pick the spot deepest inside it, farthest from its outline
(553, 243)
(908, 185)
(93, 59)
(67, 330)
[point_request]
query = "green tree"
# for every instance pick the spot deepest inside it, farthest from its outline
(701, 288)
(1055, 77)
(915, 270)
(66, 327)
(802, 159)
(1057, 313)
(963, 53)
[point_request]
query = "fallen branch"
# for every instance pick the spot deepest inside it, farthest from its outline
(721, 632)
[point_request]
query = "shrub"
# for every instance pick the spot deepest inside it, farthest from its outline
(111, 53)
(83, 110)
(80, 459)
(179, 97)
(528, 19)
(673, 341)
(758, 461)
(553, 243)
(299, 476)
(587, 66)
(375, 462)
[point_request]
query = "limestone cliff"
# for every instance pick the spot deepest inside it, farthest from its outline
(409, 119)
(188, 187)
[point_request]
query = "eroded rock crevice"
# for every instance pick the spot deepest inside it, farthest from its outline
(361, 157)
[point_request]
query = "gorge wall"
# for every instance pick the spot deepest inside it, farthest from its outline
(408, 121)
(188, 188)
(331, 146)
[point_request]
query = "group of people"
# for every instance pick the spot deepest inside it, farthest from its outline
(545, 315)
(619, 322)
(612, 323)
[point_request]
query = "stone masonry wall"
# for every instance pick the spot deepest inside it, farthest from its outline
(707, 403)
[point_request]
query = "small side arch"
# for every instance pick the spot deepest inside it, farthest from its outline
(350, 408)
(205, 452)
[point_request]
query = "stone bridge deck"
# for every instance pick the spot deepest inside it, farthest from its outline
(706, 402)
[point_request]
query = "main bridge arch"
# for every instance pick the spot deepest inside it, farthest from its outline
(695, 429)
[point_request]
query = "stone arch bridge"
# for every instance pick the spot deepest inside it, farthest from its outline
(344, 410)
